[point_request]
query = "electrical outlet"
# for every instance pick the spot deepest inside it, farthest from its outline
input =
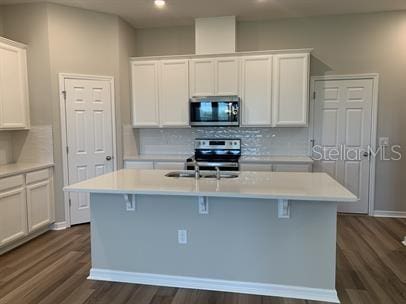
(383, 141)
(182, 237)
(203, 205)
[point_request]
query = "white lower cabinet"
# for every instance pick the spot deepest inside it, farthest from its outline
(276, 167)
(255, 167)
(39, 205)
(292, 167)
(169, 165)
(13, 215)
(26, 205)
(140, 165)
(158, 165)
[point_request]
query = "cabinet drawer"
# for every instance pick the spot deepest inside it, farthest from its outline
(11, 182)
(139, 165)
(37, 176)
(169, 166)
(255, 167)
(292, 168)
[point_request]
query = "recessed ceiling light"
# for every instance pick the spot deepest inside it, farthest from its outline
(160, 3)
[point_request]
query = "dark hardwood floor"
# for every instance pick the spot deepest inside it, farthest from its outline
(52, 269)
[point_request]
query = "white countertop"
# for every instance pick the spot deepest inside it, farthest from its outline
(20, 168)
(276, 159)
(262, 185)
(243, 159)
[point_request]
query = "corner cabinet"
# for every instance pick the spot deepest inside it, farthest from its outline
(290, 90)
(160, 93)
(14, 104)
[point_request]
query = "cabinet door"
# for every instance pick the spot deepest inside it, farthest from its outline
(227, 76)
(145, 94)
(256, 94)
(13, 216)
(138, 165)
(255, 167)
(169, 166)
(291, 90)
(292, 168)
(14, 107)
(202, 72)
(39, 205)
(174, 93)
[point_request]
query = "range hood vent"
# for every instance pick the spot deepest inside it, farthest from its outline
(215, 35)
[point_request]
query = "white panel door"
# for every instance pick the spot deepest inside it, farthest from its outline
(202, 77)
(256, 90)
(174, 93)
(89, 137)
(290, 90)
(13, 215)
(39, 205)
(227, 76)
(145, 95)
(342, 123)
(14, 108)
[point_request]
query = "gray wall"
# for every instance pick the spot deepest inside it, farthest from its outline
(367, 43)
(69, 40)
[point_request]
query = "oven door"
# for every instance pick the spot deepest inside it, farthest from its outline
(214, 113)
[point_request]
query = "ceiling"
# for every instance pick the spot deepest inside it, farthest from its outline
(143, 13)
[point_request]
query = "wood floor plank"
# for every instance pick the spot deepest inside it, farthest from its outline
(53, 269)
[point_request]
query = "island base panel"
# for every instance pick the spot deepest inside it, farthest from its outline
(240, 245)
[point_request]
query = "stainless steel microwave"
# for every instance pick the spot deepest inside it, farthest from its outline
(215, 111)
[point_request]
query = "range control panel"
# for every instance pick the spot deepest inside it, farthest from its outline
(225, 144)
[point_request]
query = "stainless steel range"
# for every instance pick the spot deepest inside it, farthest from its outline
(210, 154)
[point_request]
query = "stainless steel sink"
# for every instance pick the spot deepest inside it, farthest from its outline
(191, 174)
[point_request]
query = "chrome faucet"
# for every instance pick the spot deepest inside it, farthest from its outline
(197, 169)
(218, 174)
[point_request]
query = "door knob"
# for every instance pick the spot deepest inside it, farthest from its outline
(108, 158)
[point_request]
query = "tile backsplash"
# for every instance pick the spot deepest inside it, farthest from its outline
(255, 141)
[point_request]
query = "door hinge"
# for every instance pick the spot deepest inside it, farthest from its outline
(67, 150)
(314, 95)
(70, 202)
(64, 94)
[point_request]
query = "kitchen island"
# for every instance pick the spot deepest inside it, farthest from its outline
(266, 233)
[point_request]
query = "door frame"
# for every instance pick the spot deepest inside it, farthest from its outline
(62, 107)
(374, 122)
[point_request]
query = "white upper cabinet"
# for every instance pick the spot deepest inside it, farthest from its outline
(14, 105)
(227, 76)
(290, 90)
(174, 93)
(202, 82)
(214, 76)
(145, 94)
(256, 90)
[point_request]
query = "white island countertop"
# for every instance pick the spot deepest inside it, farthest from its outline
(262, 185)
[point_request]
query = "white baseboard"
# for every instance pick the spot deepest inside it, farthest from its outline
(396, 214)
(314, 294)
(58, 226)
